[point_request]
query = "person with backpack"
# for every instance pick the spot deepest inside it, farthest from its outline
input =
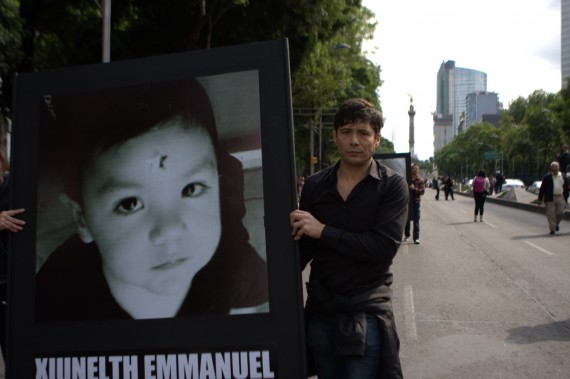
(481, 187)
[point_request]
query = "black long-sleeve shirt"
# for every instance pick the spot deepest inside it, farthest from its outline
(361, 236)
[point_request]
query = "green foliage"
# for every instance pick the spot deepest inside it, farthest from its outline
(10, 55)
(530, 135)
(385, 147)
(325, 38)
(326, 60)
(10, 35)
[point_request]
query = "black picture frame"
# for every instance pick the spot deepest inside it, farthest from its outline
(402, 164)
(271, 339)
(399, 162)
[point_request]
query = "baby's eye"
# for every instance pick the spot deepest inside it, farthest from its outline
(194, 189)
(129, 205)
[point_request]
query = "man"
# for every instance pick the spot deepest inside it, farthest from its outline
(435, 186)
(500, 180)
(417, 189)
(350, 224)
(554, 192)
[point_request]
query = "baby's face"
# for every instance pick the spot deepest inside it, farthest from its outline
(152, 207)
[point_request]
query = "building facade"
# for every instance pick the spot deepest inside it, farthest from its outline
(478, 104)
(453, 86)
(565, 41)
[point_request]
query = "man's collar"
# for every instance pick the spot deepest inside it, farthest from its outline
(372, 170)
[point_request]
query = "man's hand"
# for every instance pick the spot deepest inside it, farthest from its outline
(539, 202)
(303, 223)
(9, 222)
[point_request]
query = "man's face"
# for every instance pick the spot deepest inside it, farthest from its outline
(554, 168)
(152, 207)
(356, 143)
(415, 171)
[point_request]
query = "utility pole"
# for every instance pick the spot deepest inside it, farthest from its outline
(106, 12)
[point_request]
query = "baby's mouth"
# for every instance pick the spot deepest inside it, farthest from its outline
(170, 264)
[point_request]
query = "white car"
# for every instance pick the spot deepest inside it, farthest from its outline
(534, 187)
(512, 183)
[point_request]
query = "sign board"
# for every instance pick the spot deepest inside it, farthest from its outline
(157, 242)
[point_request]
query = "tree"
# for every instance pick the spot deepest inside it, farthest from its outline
(61, 33)
(529, 138)
(10, 54)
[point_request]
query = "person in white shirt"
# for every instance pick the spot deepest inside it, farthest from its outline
(554, 193)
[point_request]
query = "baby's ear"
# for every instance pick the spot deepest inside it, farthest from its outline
(78, 216)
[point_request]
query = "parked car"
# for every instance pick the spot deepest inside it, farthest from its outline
(512, 183)
(534, 187)
(470, 187)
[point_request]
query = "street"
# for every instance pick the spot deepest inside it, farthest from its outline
(483, 300)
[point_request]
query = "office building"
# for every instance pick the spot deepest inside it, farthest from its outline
(565, 41)
(453, 86)
(479, 104)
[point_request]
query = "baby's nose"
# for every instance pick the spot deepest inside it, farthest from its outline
(168, 228)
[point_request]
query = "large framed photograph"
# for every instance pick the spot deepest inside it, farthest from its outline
(399, 162)
(157, 194)
(402, 164)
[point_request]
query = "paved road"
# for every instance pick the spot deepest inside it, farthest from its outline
(483, 300)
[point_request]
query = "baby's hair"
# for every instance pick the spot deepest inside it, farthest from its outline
(95, 121)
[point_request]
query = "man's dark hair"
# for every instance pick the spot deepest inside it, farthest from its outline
(358, 110)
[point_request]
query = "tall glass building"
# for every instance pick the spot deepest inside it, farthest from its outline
(565, 41)
(453, 86)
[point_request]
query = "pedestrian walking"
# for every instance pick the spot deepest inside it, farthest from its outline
(417, 189)
(435, 186)
(554, 193)
(448, 187)
(499, 181)
(481, 187)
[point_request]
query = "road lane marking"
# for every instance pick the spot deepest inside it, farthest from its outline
(462, 211)
(538, 248)
(491, 225)
(410, 314)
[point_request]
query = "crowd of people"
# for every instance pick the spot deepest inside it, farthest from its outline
(553, 192)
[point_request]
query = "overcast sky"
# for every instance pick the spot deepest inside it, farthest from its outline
(516, 42)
